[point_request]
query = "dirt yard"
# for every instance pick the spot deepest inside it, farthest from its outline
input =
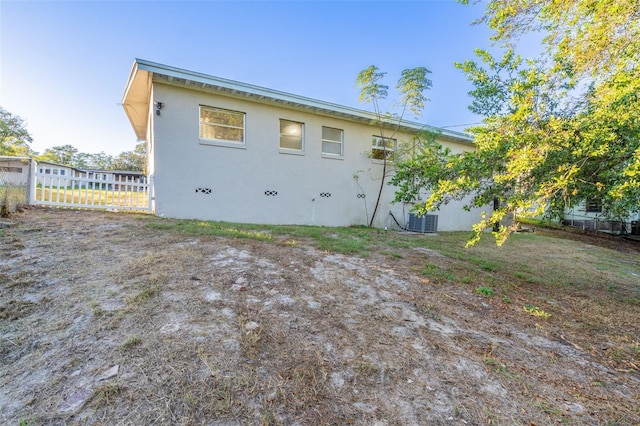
(105, 319)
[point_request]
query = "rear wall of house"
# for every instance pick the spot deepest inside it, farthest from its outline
(258, 183)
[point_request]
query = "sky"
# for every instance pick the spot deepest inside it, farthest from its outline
(64, 64)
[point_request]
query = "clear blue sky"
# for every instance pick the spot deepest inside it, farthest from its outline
(64, 65)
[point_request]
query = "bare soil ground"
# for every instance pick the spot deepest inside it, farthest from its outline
(106, 320)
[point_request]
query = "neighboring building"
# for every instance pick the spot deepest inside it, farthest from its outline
(14, 171)
(115, 179)
(60, 175)
(55, 174)
(224, 150)
(589, 216)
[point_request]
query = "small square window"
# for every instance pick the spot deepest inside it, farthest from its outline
(332, 141)
(291, 135)
(594, 206)
(224, 125)
(383, 148)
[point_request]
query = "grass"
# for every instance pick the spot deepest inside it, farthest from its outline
(485, 291)
(12, 197)
(143, 295)
(566, 264)
(237, 360)
(131, 341)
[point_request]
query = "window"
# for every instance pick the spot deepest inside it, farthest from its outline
(47, 171)
(222, 125)
(10, 169)
(291, 135)
(383, 148)
(332, 141)
(55, 171)
(594, 206)
(63, 172)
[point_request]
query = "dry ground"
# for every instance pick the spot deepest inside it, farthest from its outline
(106, 319)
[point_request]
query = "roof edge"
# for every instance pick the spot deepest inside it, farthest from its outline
(170, 71)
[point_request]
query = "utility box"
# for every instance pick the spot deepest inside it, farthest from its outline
(425, 224)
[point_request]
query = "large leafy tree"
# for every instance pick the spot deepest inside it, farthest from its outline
(62, 154)
(557, 130)
(100, 160)
(131, 160)
(14, 137)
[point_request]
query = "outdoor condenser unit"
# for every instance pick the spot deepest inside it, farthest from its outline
(425, 224)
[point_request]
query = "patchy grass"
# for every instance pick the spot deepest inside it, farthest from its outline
(222, 323)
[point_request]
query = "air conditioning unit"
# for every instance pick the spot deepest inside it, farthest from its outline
(425, 224)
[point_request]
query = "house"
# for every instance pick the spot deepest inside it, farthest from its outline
(50, 173)
(60, 175)
(114, 179)
(589, 215)
(14, 171)
(224, 150)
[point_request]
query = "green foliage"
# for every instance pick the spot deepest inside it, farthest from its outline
(131, 160)
(14, 137)
(485, 291)
(64, 154)
(70, 156)
(411, 87)
(557, 131)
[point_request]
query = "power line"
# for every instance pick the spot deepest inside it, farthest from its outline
(459, 125)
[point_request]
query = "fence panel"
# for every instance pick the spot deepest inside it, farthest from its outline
(123, 193)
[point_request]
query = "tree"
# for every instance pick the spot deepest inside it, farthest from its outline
(411, 86)
(63, 154)
(100, 160)
(131, 160)
(14, 137)
(558, 130)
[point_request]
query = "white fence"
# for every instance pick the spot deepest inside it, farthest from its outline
(115, 192)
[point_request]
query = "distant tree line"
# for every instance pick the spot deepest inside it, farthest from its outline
(70, 156)
(15, 140)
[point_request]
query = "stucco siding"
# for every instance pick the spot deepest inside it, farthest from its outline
(184, 168)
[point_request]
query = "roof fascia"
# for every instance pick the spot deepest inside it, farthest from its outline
(327, 108)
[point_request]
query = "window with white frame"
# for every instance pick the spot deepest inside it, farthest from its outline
(217, 124)
(382, 148)
(332, 141)
(291, 136)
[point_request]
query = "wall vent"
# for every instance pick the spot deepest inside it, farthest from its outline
(426, 224)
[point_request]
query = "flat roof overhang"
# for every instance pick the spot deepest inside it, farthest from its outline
(136, 99)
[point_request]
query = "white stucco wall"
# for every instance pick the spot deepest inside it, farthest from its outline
(180, 163)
